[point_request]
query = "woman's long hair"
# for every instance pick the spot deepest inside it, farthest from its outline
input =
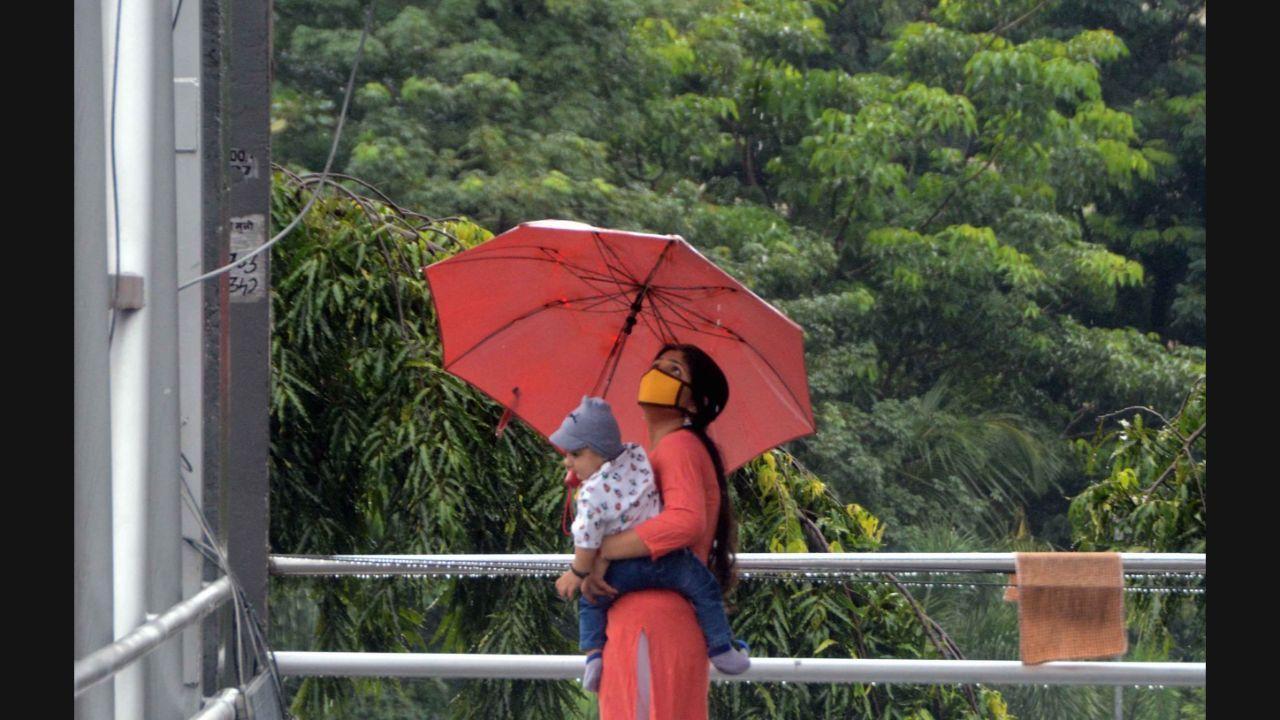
(710, 395)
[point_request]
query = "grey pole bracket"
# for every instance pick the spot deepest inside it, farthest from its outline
(128, 290)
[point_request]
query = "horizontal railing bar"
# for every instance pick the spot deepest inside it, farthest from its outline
(806, 670)
(220, 707)
(762, 563)
(107, 661)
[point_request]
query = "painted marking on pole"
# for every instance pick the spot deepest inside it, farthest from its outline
(247, 280)
(243, 162)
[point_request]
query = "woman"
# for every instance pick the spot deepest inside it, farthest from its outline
(655, 662)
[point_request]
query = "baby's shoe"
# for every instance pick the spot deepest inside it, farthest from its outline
(591, 673)
(734, 660)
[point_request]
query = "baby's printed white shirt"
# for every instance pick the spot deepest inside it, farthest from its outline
(618, 496)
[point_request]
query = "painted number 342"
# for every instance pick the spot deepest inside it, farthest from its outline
(243, 282)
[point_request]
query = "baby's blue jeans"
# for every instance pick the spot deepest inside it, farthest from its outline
(679, 571)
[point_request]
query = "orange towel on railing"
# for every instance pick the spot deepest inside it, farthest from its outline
(1070, 606)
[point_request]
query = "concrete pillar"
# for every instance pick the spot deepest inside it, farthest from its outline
(92, 407)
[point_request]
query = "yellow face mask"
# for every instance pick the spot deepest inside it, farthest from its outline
(660, 388)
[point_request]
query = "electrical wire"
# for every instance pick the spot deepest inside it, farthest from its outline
(262, 650)
(219, 560)
(176, 14)
(333, 151)
(214, 552)
(243, 608)
(115, 184)
(244, 614)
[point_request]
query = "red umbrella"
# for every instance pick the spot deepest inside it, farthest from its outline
(553, 310)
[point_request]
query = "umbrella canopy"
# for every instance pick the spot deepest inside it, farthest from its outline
(553, 310)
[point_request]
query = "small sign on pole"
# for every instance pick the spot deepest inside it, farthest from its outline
(246, 281)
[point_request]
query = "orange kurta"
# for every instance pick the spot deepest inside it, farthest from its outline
(677, 650)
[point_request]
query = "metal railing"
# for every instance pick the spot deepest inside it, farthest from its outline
(748, 563)
(220, 707)
(802, 670)
(805, 670)
(105, 662)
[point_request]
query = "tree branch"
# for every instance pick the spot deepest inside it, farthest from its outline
(995, 31)
(941, 640)
(947, 200)
(1186, 448)
(1084, 410)
(1143, 408)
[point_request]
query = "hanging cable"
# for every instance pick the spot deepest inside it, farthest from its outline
(333, 151)
(115, 184)
(214, 552)
(189, 500)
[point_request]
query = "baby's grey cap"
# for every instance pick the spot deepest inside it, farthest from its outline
(592, 425)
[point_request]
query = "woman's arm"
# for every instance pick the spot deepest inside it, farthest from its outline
(626, 544)
(678, 468)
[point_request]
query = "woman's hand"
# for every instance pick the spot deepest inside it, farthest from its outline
(593, 585)
(567, 585)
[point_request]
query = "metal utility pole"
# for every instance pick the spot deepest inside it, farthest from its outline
(247, 158)
(235, 155)
(210, 460)
(144, 358)
(92, 443)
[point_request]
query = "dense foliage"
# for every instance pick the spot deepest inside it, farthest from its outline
(999, 203)
(1152, 496)
(989, 218)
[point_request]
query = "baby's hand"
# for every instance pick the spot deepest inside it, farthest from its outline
(567, 585)
(593, 586)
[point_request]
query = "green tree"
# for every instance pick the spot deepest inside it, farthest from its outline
(959, 193)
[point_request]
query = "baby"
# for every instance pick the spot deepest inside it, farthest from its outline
(618, 492)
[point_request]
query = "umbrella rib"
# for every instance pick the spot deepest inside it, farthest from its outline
(688, 324)
(507, 325)
(687, 292)
(485, 249)
(602, 247)
(615, 353)
(588, 276)
(549, 254)
(660, 332)
(735, 336)
(607, 295)
(591, 306)
(667, 332)
(730, 288)
(586, 272)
